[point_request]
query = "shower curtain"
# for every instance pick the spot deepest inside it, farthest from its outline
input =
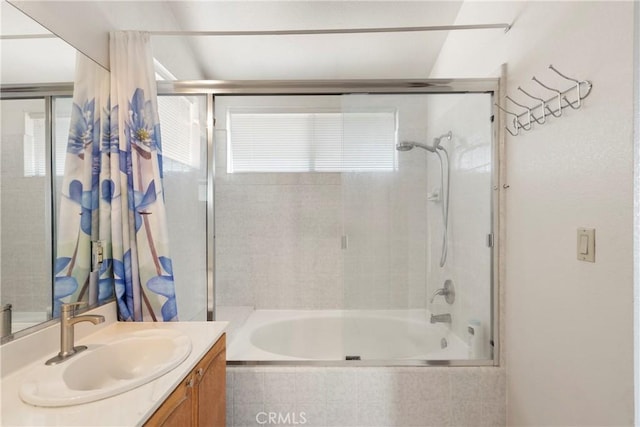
(142, 267)
(120, 189)
(83, 199)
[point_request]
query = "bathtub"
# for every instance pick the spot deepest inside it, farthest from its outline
(25, 319)
(278, 335)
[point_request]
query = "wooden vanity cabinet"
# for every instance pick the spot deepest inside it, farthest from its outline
(199, 400)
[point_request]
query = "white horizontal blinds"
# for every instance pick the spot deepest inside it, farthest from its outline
(270, 142)
(328, 142)
(369, 141)
(34, 149)
(180, 132)
(34, 144)
(311, 142)
(61, 140)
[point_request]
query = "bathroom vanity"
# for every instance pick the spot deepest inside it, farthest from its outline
(199, 400)
(191, 393)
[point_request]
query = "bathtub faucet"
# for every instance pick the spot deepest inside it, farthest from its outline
(441, 318)
(447, 291)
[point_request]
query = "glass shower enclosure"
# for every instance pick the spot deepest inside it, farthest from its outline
(330, 236)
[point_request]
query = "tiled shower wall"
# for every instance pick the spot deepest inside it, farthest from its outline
(278, 235)
(324, 396)
(25, 278)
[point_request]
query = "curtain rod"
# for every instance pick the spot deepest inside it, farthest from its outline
(28, 36)
(505, 27)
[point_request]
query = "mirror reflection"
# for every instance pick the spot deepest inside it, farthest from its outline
(34, 127)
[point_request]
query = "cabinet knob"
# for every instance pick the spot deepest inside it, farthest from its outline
(199, 372)
(189, 382)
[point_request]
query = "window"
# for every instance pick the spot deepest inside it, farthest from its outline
(180, 130)
(318, 141)
(35, 156)
(34, 136)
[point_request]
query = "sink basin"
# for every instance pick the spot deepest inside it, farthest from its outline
(107, 369)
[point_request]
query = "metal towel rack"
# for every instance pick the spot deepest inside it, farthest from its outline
(552, 106)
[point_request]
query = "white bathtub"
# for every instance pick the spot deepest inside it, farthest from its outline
(338, 334)
(25, 319)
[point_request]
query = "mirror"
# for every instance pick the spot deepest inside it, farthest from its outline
(37, 77)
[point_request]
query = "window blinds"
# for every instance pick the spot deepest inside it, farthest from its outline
(311, 141)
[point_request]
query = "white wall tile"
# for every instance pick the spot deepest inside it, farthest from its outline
(311, 386)
(248, 387)
(396, 397)
(341, 414)
(279, 387)
(244, 414)
(342, 385)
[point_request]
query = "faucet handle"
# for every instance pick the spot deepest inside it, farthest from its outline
(70, 307)
(447, 291)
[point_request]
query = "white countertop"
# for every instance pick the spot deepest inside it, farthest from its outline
(127, 409)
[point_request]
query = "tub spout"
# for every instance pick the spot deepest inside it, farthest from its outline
(441, 318)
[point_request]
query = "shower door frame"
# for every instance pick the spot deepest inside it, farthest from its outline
(492, 86)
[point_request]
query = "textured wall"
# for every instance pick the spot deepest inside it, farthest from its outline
(568, 324)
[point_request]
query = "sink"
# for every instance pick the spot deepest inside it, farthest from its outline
(106, 369)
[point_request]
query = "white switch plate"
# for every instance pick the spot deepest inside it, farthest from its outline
(586, 244)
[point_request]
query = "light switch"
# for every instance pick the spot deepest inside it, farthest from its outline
(587, 244)
(584, 245)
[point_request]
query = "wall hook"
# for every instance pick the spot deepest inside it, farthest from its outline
(582, 88)
(529, 113)
(558, 112)
(516, 123)
(560, 97)
(578, 83)
(543, 106)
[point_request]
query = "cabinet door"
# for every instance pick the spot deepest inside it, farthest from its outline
(177, 410)
(211, 387)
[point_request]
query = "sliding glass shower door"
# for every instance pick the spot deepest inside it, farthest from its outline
(184, 147)
(417, 220)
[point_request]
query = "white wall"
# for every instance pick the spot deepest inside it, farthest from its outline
(569, 330)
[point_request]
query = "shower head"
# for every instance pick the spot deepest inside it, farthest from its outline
(408, 145)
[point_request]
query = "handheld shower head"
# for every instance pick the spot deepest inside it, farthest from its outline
(404, 146)
(408, 145)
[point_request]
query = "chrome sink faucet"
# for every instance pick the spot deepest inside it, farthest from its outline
(67, 322)
(441, 318)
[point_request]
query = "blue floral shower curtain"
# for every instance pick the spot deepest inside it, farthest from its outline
(83, 198)
(142, 267)
(123, 196)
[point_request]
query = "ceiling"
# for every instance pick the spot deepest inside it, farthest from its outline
(41, 60)
(340, 56)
